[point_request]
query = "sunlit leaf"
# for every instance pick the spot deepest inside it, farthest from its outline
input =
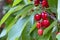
(16, 2)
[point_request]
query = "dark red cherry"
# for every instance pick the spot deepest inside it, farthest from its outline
(36, 2)
(45, 4)
(45, 23)
(37, 17)
(44, 15)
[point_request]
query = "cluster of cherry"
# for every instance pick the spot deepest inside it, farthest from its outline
(42, 21)
(44, 3)
(42, 18)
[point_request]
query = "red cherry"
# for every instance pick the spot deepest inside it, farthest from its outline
(38, 25)
(40, 32)
(36, 2)
(45, 23)
(37, 17)
(9, 1)
(44, 15)
(45, 4)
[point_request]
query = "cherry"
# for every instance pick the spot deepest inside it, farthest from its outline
(45, 4)
(45, 23)
(37, 17)
(40, 32)
(9, 1)
(38, 25)
(36, 2)
(44, 15)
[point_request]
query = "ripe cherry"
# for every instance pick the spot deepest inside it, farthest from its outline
(40, 32)
(45, 23)
(9, 1)
(44, 15)
(36, 2)
(38, 25)
(37, 17)
(45, 4)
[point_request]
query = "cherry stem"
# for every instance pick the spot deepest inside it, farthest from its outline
(52, 17)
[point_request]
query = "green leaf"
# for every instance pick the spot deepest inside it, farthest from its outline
(11, 11)
(34, 35)
(58, 36)
(17, 29)
(9, 20)
(50, 27)
(24, 11)
(33, 27)
(3, 38)
(53, 5)
(28, 2)
(58, 10)
(25, 34)
(6, 29)
(13, 21)
(16, 2)
(53, 33)
(17, 38)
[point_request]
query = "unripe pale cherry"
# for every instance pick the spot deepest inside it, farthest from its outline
(38, 25)
(40, 32)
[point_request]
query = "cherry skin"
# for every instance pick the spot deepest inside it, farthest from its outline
(45, 4)
(36, 2)
(40, 32)
(38, 25)
(37, 17)
(44, 15)
(45, 23)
